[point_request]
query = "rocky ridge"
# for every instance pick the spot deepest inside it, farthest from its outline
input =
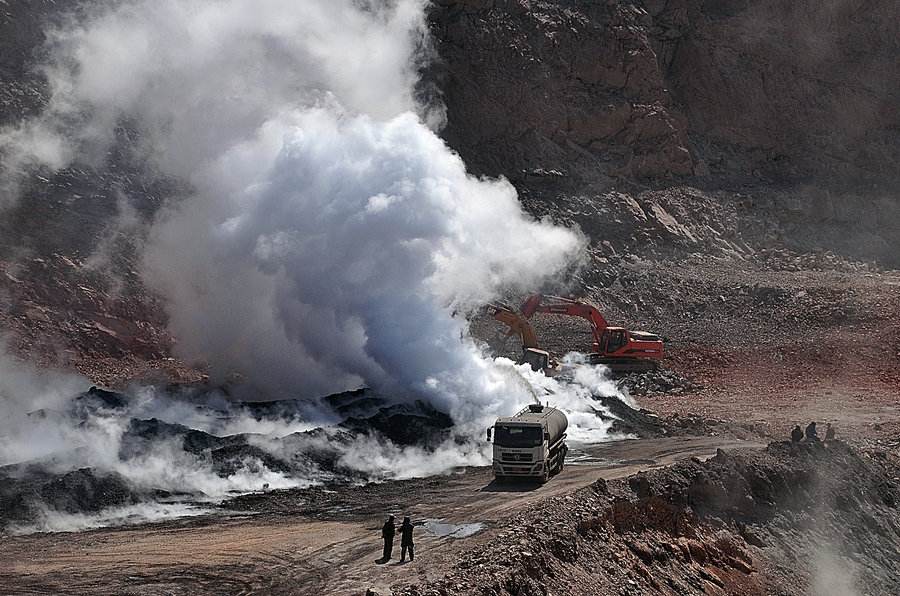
(792, 516)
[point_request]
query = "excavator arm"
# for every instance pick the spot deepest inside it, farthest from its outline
(518, 324)
(538, 303)
(620, 349)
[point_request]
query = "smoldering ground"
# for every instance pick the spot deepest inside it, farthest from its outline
(96, 457)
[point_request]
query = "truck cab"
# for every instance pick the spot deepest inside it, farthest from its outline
(530, 444)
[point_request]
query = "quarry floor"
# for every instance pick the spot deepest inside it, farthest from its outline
(331, 551)
(775, 386)
(768, 348)
(843, 376)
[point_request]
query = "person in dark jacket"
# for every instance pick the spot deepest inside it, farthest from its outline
(797, 434)
(811, 433)
(406, 540)
(387, 533)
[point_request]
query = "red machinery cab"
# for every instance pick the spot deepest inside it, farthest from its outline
(625, 351)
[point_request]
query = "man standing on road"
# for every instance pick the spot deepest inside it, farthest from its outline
(796, 434)
(829, 432)
(387, 533)
(406, 541)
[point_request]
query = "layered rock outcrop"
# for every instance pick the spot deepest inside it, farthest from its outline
(571, 87)
(661, 88)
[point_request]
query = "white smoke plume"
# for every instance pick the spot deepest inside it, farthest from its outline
(38, 425)
(65, 435)
(330, 239)
(339, 259)
(25, 389)
(833, 574)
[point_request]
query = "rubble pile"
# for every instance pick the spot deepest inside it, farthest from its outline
(657, 381)
(788, 260)
(700, 527)
(404, 424)
(28, 492)
(626, 420)
(316, 457)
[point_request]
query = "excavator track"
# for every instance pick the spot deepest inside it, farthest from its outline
(624, 366)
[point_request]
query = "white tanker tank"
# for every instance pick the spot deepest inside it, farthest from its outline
(530, 444)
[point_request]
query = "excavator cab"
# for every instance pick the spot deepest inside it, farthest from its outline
(627, 351)
(612, 340)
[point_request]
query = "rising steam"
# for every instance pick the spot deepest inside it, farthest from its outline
(329, 239)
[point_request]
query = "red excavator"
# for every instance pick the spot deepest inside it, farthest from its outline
(616, 347)
(620, 349)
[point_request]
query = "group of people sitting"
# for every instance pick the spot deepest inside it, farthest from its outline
(812, 433)
(406, 539)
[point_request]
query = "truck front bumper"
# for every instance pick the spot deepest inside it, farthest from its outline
(524, 470)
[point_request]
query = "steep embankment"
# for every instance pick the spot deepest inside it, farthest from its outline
(789, 519)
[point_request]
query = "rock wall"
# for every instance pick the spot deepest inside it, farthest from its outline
(793, 89)
(788, 113)
(660, 88)
(574, 87)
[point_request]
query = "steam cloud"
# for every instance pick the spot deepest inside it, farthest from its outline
(330, 239)
(66, 435)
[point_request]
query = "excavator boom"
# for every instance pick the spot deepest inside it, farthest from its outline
(616, 347)
(557, 305)
(518, 324)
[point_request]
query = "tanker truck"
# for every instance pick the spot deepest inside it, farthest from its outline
(531, 444)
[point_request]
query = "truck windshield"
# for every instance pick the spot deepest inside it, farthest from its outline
(518, 436)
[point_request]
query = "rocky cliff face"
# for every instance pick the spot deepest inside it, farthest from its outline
(786, 113)
(663, 128)
(796, 105)
(661, 88)
(793, 89)
(574, 87)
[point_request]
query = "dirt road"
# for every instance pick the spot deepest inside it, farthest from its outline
(330, 552)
